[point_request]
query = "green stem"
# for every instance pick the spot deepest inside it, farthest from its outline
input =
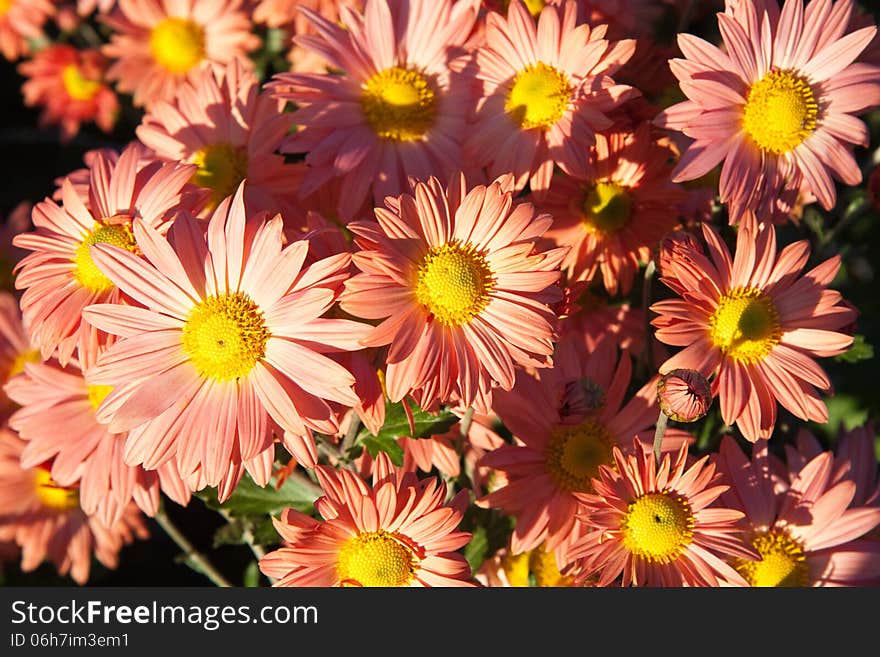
(354, 427)
(466, 421)
(196, 560)
(658, 435)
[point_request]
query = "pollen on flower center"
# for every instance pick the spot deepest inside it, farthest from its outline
(86, 271)
(782, 564)
(574, 454)
(225, 336)
(177, 44)
(53, 496)
(399, 104)
(658, 526)
(376, 559)
(543, 566)
(97, 394)
(78, 87)
(222, 167)
(780, 112)
(539, 96)
(453, 283)
(745, 326)
(607, 207)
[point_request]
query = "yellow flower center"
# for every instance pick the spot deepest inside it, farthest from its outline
(53, 496)
(97, 394)
(783, 562)
(77, 86)
(85, 270)
(225, 336)
(537, 564)
(574, 454)
(534, 6)
(516, 567)
(607, 208)
(539, 96)
(544, 568)
(780, 112)
(5, 5)
(399, 104)
(453, 283)
(658, 526)
(745, 326)
(221, 168)
(177, 44)
(18, 363)
(375, 559)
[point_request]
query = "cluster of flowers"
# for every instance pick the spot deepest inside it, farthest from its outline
(443, 205)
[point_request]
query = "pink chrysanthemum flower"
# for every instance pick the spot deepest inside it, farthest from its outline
(45, 520)
(778, 106)
(221, 122)
(756, 323)
(57, 418)
(397, 111)
(546, 90)
(398, 532)
(21, 20)
(463, 287)
(566, 421)
(808, 534)
(613, 215)
(159, 44)
(658, 525)
(69, 85)
(231, 330)
(15, 348)
(60, 278)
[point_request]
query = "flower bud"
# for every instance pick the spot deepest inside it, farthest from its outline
(684, 395)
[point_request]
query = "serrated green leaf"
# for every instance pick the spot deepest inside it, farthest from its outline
(397, 426)
(859, 350)
(477, 548)
(425, 424)
(250, 499)
(843, 411)
(384, 443)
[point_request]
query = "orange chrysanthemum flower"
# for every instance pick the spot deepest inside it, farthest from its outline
(159, 44)
(614, 213)
(462, 288)
(45, 520)
(657, 525)
(69, 85)
(756, 323)
(399, 532)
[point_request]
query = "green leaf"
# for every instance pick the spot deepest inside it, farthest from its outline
(384, 443)
(476, 550)
(843, 411)
(425, 424)
(859, 350)
(397, 425)
(250, 499)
